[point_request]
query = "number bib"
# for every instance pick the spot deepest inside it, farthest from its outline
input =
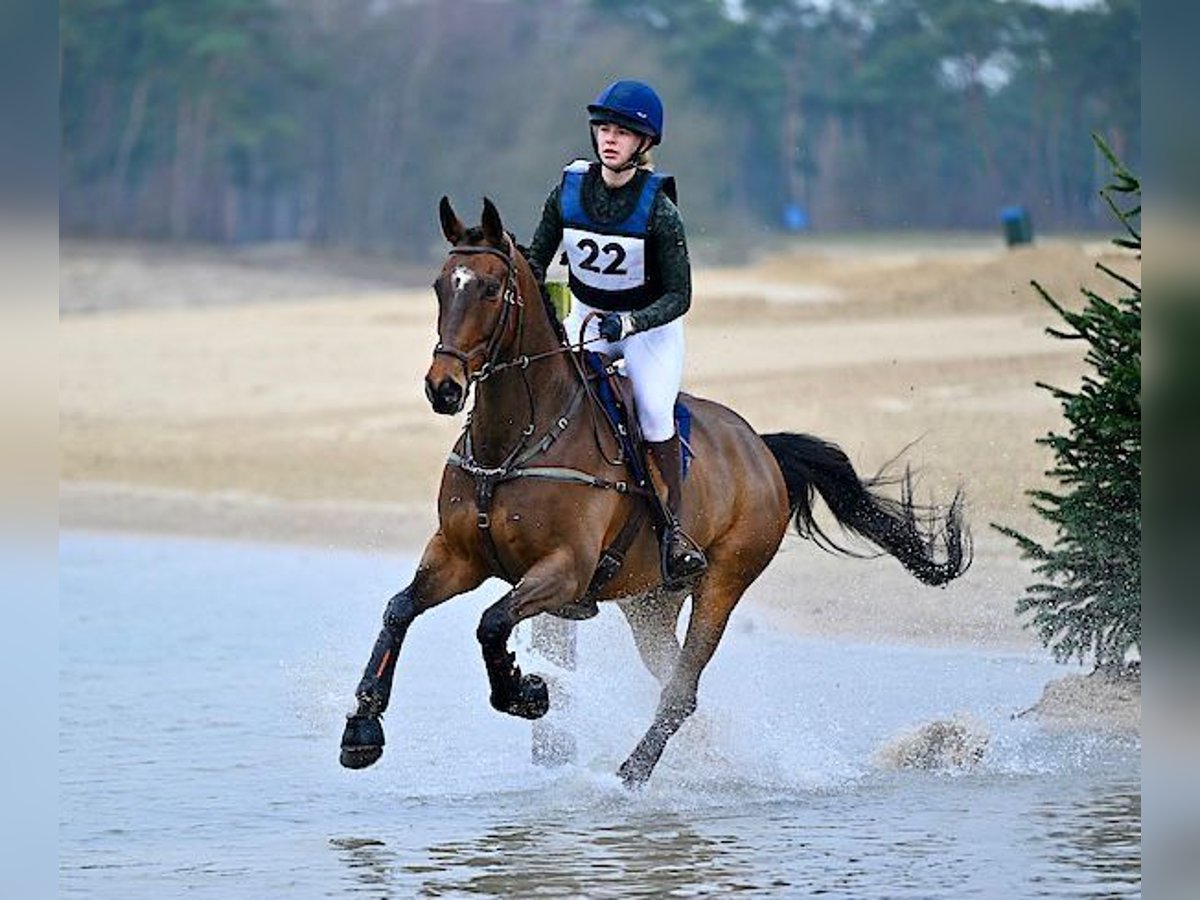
(608, 263)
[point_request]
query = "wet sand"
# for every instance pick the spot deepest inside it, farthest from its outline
(290, 407)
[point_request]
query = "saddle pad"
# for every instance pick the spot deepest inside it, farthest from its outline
(615, 408)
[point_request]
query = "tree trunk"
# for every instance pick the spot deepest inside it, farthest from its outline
(187, 168)
(977, 116)
(400, 127)
(130, 136)
(793, 127)
(179, 184)
(197, 162)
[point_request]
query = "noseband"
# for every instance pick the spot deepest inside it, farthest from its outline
(510, 297)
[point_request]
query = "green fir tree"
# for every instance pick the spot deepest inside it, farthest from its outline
(1088, 601)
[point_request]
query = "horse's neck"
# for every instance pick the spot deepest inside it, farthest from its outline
(503, 416)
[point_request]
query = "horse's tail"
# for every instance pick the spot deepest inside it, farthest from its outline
(936, 550)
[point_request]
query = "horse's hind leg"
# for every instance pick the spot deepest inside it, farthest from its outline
(712, 602)
(549, 584)
(439, 576)
(652, 619)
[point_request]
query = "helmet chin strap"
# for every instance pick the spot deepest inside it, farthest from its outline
(631, 163)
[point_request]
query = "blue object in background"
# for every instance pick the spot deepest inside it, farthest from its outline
(795, 217)
(1018, 227)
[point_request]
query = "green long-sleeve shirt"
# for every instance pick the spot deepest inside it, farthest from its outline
(666, 243)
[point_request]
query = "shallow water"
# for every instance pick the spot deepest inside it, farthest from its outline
(203, 688)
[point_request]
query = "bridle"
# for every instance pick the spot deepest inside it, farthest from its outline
(510, 297)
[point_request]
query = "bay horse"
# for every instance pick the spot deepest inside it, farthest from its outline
(537, 493)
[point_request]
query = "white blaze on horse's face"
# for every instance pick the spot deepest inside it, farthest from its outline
(461, 277)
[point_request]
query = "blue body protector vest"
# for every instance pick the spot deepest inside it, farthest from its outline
(609, 267)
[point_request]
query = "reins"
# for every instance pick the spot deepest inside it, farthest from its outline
(523, 361)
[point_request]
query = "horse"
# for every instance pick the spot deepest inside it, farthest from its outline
(537, 492)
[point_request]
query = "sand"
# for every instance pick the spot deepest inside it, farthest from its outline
(278, 396)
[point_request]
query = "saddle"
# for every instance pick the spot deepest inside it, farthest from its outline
(615, 395)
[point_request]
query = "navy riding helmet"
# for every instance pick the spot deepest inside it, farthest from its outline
(630, 104)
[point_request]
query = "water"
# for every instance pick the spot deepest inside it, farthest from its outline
(203, 687)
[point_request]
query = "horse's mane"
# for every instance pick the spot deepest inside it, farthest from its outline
(547, 304)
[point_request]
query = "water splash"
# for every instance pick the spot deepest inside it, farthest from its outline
(948, 745)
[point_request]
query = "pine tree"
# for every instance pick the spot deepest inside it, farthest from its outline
(1089, 599)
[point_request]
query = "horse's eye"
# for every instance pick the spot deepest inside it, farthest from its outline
(491, 290)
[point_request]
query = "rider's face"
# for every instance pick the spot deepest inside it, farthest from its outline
(615, 144)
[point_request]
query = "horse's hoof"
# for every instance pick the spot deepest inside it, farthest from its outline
(360, 757)
(633, 774)
(533, 698)
(531, 702)
(362, 741)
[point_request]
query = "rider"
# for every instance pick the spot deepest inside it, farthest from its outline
(628, 264)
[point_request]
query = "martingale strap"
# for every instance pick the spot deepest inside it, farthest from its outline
(512, 466)
(517, 468)
(487, 478)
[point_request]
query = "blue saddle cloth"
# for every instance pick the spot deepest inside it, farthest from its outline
(616, 413)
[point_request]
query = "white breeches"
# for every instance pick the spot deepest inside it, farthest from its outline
(653, 364)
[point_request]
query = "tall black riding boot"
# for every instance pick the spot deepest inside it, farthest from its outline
(681, 557)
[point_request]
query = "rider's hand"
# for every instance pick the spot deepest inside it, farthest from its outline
(614, 326)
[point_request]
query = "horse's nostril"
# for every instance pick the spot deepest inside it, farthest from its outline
(446, 397)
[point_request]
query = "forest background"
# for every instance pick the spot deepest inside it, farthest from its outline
(339, 123)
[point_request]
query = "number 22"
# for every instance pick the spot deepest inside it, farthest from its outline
(594, 250)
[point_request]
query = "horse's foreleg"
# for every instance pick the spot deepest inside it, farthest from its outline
(362, 738)
(439, 577)
(375, 689)
(548, 585)
(711, 606)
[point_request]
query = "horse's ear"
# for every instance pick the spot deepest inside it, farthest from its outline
(493, 230)
(452, 228)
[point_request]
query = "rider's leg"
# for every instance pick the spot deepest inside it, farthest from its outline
(654, 364)
(681, 558)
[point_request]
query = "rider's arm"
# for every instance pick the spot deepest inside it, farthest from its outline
(549, 233)
(669, 249)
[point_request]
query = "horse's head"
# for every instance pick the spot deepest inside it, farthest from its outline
(477, 294)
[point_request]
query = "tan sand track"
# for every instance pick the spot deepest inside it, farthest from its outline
(302, 417)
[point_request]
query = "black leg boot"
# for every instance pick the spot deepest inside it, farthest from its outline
(682, 559)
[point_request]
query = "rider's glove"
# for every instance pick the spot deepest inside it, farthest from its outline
(614, 326)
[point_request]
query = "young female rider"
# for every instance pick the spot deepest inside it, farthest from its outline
(628, 261)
